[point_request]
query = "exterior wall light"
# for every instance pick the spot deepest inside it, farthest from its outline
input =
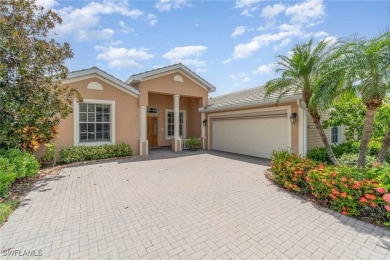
(204, 122)
(293, 118)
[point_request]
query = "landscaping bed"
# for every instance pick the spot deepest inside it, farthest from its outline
(362, 193)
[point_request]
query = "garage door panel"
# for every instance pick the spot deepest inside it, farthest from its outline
(256, 137)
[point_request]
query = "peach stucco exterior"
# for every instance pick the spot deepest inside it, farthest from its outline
(173, 88)
(294, 127)
(126, 113)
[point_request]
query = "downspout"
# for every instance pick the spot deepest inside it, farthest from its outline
(303, 126)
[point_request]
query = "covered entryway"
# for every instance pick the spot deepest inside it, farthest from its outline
(251, 134)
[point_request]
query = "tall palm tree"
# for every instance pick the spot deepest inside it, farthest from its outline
(365, 68)
(301, 72)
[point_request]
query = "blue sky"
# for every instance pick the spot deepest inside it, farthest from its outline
(232, 44)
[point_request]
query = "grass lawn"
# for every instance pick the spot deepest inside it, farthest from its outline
(6, 208)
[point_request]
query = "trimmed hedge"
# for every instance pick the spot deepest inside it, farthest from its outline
(84, 153)
(351, 191)
(15, 164)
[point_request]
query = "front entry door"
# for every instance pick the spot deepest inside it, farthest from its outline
(152, 131)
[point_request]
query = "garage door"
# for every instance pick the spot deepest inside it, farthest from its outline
(250, 136)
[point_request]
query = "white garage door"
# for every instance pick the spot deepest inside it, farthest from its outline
(250, 136)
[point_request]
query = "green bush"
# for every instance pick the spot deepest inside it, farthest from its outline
(319, 155)
(50, 153)
(193, 143)
(7, 176)
(351, 159)
(25, 164)
(84, 153)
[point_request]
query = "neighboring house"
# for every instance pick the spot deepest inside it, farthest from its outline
(165, 106)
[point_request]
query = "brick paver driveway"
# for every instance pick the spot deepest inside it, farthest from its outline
(198, 205)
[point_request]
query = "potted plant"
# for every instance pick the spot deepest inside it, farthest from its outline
(49, 157)
(193, 143)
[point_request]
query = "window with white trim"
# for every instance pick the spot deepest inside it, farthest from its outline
(94, 122)
(171, 124)
(335, 135)
(152, 110)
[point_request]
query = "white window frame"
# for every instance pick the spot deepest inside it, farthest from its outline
(339, 134)
(76, 122)
(166, 124)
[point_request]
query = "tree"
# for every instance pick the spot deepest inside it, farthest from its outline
(32, 99)
(365, 67)
(351, 112)
(302, 73)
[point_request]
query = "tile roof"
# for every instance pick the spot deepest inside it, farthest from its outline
(139, 76)
(243, 97)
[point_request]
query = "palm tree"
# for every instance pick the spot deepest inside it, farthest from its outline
(365, 72)
(302, 73)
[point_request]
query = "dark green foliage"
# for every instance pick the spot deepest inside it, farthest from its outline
(32, 66)
(7, 176)
(24, 163)
(15, 164)
(84, 153)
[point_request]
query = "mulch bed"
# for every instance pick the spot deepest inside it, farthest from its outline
(21, 187)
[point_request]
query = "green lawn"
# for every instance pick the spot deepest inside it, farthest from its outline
(6, 208)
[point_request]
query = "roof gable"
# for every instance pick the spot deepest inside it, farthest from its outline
(96, 72)
(136, 78)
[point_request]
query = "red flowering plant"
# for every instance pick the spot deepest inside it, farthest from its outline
(290, 171)
(355, 192)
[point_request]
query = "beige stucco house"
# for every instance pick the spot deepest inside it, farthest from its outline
(165, 106)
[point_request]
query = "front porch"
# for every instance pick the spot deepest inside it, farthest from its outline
(170, 120)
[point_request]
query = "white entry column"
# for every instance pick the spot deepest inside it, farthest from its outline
(203, 129)
(176, 146)
(143, 142)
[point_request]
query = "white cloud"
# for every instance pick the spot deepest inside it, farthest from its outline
(309, 12)
(249, 6)
(167, 5)
(284, 43)
(301, 16)
(246, 3)
(93, 35)
(125, 28)
(331, 40)
(239, 30)
(47, 3)
(78, 21)
(245, 50)
(122, 57)
(270, 12)
(265, 69)
(240, 77)
(188, 55)
(152, 19)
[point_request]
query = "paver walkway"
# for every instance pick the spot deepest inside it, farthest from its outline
(200, 205)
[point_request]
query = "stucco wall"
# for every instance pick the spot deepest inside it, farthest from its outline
(165, 84)
(164, 103)
(294, 127)
(126, 115)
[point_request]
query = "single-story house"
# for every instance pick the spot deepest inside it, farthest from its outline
(165, 106)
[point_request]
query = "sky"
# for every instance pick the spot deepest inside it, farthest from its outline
(231, 44)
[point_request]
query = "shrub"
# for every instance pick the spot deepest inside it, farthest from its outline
(290, 170)
(7, 176)
(50, 153)
(351, 191)
(25, 164)
(318, 154)
(193, 143)
(83, 153)
(351, 159)
(6, 209)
